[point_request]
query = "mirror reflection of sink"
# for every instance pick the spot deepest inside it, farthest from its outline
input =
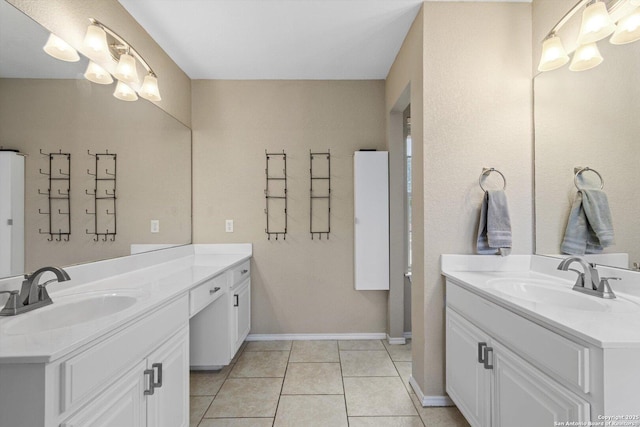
(72, 310)
(546, 292)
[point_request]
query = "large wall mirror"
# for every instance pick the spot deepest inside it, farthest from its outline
(47, 106)
(590, 119)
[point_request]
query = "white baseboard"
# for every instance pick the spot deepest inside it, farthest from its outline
(429, 400)
(396, 341)
(308, 337)
(408, 335)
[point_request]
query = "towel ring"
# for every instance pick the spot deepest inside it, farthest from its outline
(487, 171)
(579, 170)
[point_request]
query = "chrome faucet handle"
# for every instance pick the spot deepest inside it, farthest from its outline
(12, 304)
(43, 295)
(605, 287)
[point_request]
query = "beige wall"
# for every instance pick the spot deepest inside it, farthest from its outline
(69, 19)
(475, 112)
(299, 285)
(153, 166)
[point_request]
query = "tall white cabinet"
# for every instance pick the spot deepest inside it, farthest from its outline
(371, 222)
(11, 213)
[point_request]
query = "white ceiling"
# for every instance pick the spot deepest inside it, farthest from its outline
(278, 39)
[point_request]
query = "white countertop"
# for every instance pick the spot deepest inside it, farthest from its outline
(604, 329)
(162, 278)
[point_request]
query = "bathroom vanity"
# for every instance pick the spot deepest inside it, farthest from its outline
(114, 347)
(523, 348)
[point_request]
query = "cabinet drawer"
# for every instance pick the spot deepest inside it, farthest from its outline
(83, 376)
(240, 272)
(561, 358)
(206, 293)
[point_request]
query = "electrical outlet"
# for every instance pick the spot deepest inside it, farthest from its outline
(228, 226)
(155, 226)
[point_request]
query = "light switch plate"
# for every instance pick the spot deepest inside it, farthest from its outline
(228, 226)
(155, 226)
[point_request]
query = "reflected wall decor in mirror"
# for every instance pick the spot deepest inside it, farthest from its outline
(590, 119)
(46, 105)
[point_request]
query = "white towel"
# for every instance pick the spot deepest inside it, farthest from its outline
(494, 229)
(589, 226)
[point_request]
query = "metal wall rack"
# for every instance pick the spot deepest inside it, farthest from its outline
(321, 198)
(104, 196)
(58, 196)
(275, 193)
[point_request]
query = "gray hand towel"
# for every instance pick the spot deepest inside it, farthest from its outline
(589, 227)
(494, 229)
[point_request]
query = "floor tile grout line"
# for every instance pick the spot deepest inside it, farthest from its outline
(282, 387)
(344, 391)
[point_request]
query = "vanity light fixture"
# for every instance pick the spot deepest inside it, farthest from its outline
(598, 22)
(95, 40)
(60, 49)
(97, 74)
(126, 70)
(124, 93)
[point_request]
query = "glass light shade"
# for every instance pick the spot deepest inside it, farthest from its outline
(95, 41)
(149, 89)
(596, 24)
(124, 92)
(553, 54)
(126, 70)
(586, 57)
(628, 29)
(97, 74)
(60, 49)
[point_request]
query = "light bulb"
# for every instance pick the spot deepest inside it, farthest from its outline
(126, 70)
(60, 49)
(97, 74)
(628, 29)
(124, 92)
(596, 24)
(149, 89)
(95, 41)
(553, 54)
(586, 57)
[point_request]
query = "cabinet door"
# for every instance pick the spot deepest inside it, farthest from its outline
(468, 382)
(169, 404)
(526, 397)
(242, 308)
(122, 405)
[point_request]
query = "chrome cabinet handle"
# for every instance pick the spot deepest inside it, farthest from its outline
(153, 367)
(150, 382)
(237, 300)
(245, 271)
(486, 352)
(214, 290)
(481, 346)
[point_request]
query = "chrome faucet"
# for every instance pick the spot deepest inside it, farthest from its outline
(588, 281)
(32, 294)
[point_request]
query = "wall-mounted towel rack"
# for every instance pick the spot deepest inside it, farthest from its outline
(58, 195)
(486, 172)
(104, 196)
(578, 170)
(275, 193)
(321, 194)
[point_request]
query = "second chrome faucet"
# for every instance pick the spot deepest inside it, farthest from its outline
(589, 281)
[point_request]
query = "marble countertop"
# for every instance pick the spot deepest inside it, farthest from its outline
(157, 283)
(617, 325)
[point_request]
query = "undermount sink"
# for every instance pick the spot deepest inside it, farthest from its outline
(549, 293)
(72, 310)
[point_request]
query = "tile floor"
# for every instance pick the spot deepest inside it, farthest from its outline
(314, 383)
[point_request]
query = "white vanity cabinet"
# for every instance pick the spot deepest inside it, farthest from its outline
(109, 381)
(241, 314)
(504, 370)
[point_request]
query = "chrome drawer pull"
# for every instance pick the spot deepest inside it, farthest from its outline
(486, 352)
(245, 271)
(237, 300)
(159, 383)
(151, 389)
(481, 346)
(214, 290)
